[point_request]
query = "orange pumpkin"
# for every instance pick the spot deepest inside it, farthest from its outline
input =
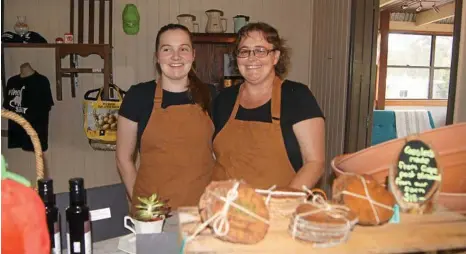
(24, 223)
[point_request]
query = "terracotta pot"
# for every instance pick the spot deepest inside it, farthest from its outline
(448, 142)
(453, 201)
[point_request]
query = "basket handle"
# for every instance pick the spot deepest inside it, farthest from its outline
(34, 138)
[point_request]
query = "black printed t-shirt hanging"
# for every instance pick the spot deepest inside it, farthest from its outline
(31, 98)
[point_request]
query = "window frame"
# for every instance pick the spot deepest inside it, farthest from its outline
(429, 101)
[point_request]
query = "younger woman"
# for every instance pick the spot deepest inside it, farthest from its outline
(168, 122)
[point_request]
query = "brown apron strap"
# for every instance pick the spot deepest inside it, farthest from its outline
(276, 100)
(235, 108)
(158, 95)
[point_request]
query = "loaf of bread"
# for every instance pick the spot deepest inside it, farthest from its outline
(243, 227)
(347, 188)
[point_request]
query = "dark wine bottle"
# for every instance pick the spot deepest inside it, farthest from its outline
(78, 220)
(47, 195)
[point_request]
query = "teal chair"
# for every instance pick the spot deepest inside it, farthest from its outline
(384, 126)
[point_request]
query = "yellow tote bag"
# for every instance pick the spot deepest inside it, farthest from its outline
(101, 116)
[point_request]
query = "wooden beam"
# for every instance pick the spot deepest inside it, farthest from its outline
(383, 57)
(90, 37)
(386, 2)
(80, 21)
(400, 26)
(431, 16)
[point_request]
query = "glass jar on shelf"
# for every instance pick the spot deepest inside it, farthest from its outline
(21, 27)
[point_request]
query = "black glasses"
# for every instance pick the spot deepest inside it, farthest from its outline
(258, 52)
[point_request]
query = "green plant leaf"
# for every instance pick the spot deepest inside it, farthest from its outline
(153, 198)
(144, 200)
(151, 207)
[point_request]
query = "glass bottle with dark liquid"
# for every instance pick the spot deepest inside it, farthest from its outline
(45, 187)
(78, 220)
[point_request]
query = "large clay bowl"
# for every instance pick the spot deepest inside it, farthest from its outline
(449, 142)
(453, 201)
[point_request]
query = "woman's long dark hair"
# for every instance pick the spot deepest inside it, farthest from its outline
(199, 90)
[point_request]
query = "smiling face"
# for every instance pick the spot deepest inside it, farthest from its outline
(175, 54)
(255, 69)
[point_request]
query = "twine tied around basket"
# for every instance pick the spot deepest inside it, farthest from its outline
(368, 197)
(272, 192)
(334, 211)
(220, 225)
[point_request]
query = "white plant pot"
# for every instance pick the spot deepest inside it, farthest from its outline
(144, 227)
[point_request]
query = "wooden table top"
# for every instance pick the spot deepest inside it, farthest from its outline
(442, 230)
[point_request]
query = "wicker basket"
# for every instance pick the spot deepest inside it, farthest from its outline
(282, 202)
(34, 138)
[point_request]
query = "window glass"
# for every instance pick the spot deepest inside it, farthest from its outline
(407, 83)
(409, 49)
(441, 84)
(443, 46)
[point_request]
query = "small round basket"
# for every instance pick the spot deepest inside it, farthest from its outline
(282, 202)
(323, 225)
(34, 139)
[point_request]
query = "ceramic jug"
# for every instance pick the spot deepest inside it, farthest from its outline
(187, 20)
(214, 22)
(240, 21)
(21, 27)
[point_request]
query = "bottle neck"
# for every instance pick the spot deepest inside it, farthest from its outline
(77, 203)
(48, 199)
(49, 202)
(78, 197)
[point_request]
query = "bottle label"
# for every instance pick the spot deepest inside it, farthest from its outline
(56, 238)
(87, 237)
(68, 243)
(87, 241)
(76, 245)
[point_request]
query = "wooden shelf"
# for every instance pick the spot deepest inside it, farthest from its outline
(214, 38)
(69, 49)
(210, 51)
(30, 45)
(82, 70)
(47, 45)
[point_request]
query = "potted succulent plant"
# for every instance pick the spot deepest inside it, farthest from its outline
(150, 216)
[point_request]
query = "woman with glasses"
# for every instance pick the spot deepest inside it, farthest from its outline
(269, 130)
(168, 122)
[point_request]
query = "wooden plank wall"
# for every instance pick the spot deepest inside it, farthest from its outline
(328, 76)
(317, 32)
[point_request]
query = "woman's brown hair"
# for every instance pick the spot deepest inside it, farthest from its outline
(199, 90)
(271, 35)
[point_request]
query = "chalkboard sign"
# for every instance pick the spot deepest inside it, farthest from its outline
(416, 176)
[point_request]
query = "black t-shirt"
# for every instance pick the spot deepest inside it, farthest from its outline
(138, 103)
(30, 97)
(298, 104)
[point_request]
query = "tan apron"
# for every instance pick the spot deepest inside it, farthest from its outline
(254, 151)
(176, 154)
